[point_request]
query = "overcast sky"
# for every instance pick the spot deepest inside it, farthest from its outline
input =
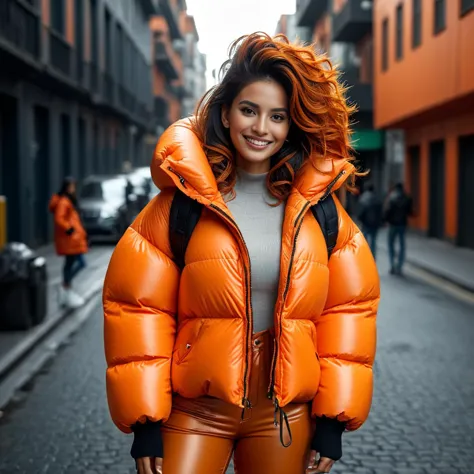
(219, 22)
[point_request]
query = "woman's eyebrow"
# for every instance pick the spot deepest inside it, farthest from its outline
(256, 106)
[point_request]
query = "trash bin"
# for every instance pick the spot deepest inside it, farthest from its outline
(23, 287)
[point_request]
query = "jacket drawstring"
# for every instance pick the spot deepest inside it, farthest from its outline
(283, 421)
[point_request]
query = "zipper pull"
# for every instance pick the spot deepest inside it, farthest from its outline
(246, 403)
(181, 179)
(277, 407)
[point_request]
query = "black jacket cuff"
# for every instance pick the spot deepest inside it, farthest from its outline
(327, 439)
(147, 442)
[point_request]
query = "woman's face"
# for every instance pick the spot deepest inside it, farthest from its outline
(258, 121)
(71, 188)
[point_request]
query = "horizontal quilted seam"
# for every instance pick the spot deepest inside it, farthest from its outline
(111, 300)
(307, 260)
(348, 358)
(203, 260)
(138, 359)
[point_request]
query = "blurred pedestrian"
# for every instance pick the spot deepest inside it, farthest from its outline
(268, 337)
(370, 215)
(398, 208)
(70, 240)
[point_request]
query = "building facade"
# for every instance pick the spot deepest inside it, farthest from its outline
(179, 68)
(342, 29)
(424, 88)
(194, 68)
(75, 99)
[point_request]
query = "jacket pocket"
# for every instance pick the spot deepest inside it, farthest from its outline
(188, 336)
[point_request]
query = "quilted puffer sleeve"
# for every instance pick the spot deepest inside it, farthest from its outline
(140, 303)
(346, 330)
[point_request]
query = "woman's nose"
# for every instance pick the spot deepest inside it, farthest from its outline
(260, 126)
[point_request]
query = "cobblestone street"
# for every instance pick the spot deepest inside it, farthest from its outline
(421, 421)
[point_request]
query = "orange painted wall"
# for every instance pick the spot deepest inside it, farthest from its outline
(70, 24)
(438, 71)
(45, 12)
(449, 130)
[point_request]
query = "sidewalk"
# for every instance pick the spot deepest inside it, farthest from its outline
(14, 345)
(442, 259)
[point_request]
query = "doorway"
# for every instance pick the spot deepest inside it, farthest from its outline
(82, 154)
(9, 164)
(65, 132)
(41, 176)
(415, 176)
(436, 201)
(466, 192)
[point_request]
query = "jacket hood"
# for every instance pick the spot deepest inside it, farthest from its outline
(180, 152)
(53, 202)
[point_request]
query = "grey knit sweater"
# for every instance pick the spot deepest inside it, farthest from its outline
(261, 226)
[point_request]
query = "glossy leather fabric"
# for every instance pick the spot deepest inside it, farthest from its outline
(202, 434)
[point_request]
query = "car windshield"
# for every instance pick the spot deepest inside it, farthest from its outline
(109, 190)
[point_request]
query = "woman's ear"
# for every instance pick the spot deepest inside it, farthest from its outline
(225, 116)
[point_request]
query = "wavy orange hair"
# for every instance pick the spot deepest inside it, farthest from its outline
(318, 109)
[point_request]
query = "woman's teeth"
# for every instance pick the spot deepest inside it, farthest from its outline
(257, 142)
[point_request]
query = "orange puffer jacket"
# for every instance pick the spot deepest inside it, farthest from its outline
(189, 333)
(65, 217)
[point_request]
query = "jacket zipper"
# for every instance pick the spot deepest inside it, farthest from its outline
(248, 305)
(331, 185)
(181, 179)
(298, 224)
(248, 300)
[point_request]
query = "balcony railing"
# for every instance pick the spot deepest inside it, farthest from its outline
(164, 61)
(19, 26)
(60, 53)
(309, 12)
(352, 22)
(172, 19)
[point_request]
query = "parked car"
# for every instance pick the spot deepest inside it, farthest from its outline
(108, 206)
(143, 185)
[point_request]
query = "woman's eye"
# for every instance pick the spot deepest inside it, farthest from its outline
(279, 118)
(247, 111)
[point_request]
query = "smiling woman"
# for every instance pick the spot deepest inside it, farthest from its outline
(268, 88)
(246, 327)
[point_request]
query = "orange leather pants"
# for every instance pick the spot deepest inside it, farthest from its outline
(202, 434)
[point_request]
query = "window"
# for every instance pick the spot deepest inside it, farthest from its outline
(108, 42)
(385, 45)
(94, 35)
(415, 175)
(120, 57)
(466, 6)
(417, 28)
(57, 15)
(439, 16)
(399, 33)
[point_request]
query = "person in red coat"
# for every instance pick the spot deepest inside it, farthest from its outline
(70, 239)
